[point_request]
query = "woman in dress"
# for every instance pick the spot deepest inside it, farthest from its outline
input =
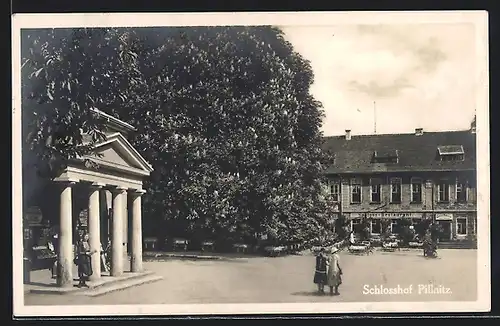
(334, 274)
(321, 270)
(83, 260)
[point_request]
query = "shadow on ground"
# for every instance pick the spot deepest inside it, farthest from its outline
(42, 284)
(309, 294)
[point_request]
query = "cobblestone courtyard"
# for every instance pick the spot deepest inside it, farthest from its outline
(289, 279)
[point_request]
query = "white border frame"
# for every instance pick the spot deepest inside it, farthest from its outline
(478, 18)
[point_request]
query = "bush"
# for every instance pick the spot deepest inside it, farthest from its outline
(421, 227)
(341, 227)
(386, 228)
(363, 230)
(406, 233)
(436, 231)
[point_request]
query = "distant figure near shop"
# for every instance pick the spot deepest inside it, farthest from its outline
(334, 274)
(321, 270)
(352, 240)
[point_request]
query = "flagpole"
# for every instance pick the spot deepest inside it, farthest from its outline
(374, 117)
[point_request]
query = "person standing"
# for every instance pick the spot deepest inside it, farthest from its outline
(83, 260)
(334, 274)
(321, 270)
(53, 245)
(352, 240)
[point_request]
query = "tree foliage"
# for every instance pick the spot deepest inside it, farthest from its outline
(385, 225)
(224, 115)
(342, 225)
(64, 74)
(363, 229)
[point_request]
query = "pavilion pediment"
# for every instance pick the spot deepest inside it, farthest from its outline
(117, 153)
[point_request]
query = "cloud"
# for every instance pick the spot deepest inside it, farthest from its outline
(376, 89)
(421, 54)
(429, 56)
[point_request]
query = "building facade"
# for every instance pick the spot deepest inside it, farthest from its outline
(424, 175)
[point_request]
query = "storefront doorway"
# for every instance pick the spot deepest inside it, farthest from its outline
(446, 230)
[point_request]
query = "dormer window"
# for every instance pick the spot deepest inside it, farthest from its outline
(389, 156)
(451, 153)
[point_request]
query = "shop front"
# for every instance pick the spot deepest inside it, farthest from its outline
(445, 221)
(37, 233)
(393, 221)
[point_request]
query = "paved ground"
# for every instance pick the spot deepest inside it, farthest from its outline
(289, 279)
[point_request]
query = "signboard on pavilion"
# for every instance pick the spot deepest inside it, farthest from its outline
(33, 216)
(84, 217)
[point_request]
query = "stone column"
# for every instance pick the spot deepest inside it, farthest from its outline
(117, 232)
(65, 257)
(125, 228)
(95, 230)
(136, 259)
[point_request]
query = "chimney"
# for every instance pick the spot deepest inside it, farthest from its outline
(419, 131)
(348, 134)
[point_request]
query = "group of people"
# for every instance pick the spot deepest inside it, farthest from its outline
(328, 271)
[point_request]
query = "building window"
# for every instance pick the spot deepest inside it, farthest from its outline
(396, 190)
(461, 192)
(416, 190)
(443, 191)
(394, 226)
(354, 222)
(375, 188)
(451, 153)
(355, 191)
(335, 191)
(376, 227)
(389, 156)
(461, 226)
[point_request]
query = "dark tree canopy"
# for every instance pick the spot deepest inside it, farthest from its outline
(224, 115)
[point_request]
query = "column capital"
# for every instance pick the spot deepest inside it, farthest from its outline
(137, 192)
(66, 182)
(117, 189)
(97, 185)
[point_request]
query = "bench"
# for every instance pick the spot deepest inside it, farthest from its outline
(207, 246)
(180, 244)
(240, 247)
(274, 251)
(414, 244)
(360, 248)
(150, 244)
(293, 248)
(390, 246)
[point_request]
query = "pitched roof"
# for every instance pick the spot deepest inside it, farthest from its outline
(415, 153)
(113, 121)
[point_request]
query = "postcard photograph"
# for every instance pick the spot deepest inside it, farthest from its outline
(228, 163)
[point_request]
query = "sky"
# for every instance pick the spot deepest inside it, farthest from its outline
(412, 76)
